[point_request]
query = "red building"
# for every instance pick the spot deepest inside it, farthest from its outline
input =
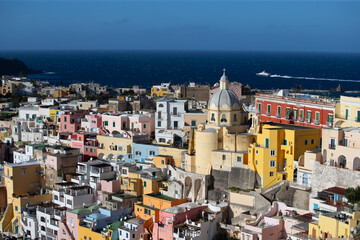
(295, 110)
(87, 144)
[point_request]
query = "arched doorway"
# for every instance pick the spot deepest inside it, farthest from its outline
(342, 161)
(356, 164)
(188, 186)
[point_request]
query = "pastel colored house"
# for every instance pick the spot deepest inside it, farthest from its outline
(87, 144)
(95, 122)
(149, 208)
(113, 147)
(71, 121)
(348, 112)
(20, 180)
(68, 229)
(142, 151)
(132, 229)
(277, 148)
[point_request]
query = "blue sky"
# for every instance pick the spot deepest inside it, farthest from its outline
(320, 26)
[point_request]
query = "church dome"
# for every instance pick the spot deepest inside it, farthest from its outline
(223, 97)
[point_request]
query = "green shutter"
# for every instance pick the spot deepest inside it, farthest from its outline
(346, 114)
(317, 116)
(267, 141)
(268, 109)
(259, 106)
(358, 116)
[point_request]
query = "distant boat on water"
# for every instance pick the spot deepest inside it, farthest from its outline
(263, 74)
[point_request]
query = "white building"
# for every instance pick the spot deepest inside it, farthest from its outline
(132, 229)
(169, 121)
(71, 195)
(48, 216)
(28, 222)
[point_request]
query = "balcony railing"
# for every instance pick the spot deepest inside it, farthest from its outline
(329, 124)
(316, 122)
(278, 115)
(301, 119)
(308, 120)
(331, 146)
(287, 116)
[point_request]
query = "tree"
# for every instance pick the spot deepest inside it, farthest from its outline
(353, 194)
(298, 88)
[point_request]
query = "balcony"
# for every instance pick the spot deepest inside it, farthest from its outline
(268, 113)
(332, 146)
(329, 124)
(301, 119)
(308, 120)
(287, 116)
(316, 122)
(278, 115)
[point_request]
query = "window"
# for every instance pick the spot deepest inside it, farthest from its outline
(159, 123)
(56, 197)
(223, 118)
(272, 152)
(86, 149)
(106, 123)
(65, 126)
(308, 116)
(287, 112)
(306, 142)
(257, 152)
(113, 124)
(330, 118)
(239, 158)
(346, 142)
(193, 123)
(42, 219)
(69, 202)
(159, 115)
(161, 105)
(16, 208)
(346, 114)
(295, 113)
(175, 111)
(268, 109)
(301, 114)
(144, 183)
(271, 174)
(152, 153)
(267, 142)
(235, 118)
(285, 141)
(279, 111)
(358, 116)
(28, 116)
(317, 116)
(91, 150)
(272, 163)
(223, 157)
(259, 107)
(212, 117)
(23, 171)
(176, 124)
(144, 126)
(312, 141)
(162, 162)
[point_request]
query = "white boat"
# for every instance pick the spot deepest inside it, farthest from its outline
(263, 74)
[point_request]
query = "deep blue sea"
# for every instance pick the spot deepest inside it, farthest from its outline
(145, 68)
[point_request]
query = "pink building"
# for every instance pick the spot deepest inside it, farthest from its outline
(128, 124)
(71, 121)
(280, 222)
(87, 144)
(68, 229)
(111, 186)
(95, 122)
(168, 218)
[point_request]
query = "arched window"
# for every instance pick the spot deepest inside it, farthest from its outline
(161, 105)
(213, 117)
(235, 117)
(223, 118)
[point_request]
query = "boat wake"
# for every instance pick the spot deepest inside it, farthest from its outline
(313, 78)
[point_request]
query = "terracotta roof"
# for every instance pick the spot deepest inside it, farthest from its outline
(336, 190)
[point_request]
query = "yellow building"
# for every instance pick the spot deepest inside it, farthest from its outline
(223, 140)
(24, 185)
(132, 184)
(63, 92)
(160, 90)
(113, 147)
(347, 112)
(10, 87)
(89, 231)
(175, 153)
(277, 146)
(53, 112)
(334, 225)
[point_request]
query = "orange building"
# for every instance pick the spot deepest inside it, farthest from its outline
(152, 204)
(162, 161)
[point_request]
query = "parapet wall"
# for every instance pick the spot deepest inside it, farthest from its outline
(324, 177)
